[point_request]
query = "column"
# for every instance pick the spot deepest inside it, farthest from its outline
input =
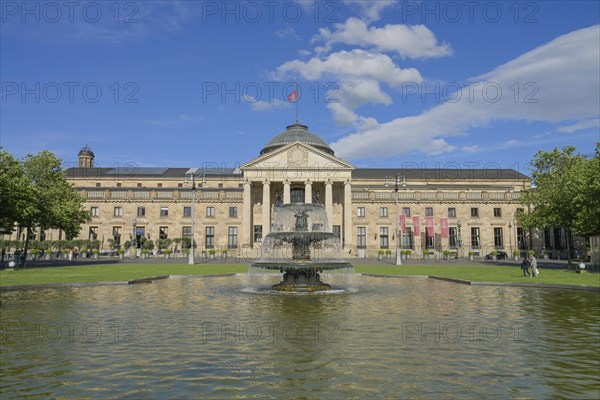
(286, 193)
(329, 204)
(246, 228)
(308, 193)
(348, 242)
(266, 208)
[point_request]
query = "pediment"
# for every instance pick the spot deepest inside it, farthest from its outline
(297, 156)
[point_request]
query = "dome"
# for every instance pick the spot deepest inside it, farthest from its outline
(86, 151)
(293, 133)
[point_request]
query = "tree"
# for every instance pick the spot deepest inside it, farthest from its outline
(564, 192)
(40, 196)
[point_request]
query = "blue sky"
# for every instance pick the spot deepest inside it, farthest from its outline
(184, 83)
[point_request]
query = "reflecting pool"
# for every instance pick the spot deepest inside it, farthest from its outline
(225, 337)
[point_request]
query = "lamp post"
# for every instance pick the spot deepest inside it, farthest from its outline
(134, 237)
(397, 184)
(510, 237)
(459, 224)
(192, 174)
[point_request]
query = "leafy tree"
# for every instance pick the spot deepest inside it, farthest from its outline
(40, 196)
(565, 193)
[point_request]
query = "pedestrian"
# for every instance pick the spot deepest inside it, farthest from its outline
(525, 266)
(533, 263)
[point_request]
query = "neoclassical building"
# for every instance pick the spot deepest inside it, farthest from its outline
(461, 210)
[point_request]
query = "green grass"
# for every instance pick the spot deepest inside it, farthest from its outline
(110, 272)
(125, 272)
(485, 273)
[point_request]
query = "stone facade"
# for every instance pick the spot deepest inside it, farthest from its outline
(234, 207)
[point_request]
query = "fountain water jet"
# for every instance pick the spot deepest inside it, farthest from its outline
(300, 229)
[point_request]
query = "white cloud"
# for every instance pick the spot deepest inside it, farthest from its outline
(471, 149)
(179, 120)
(259, 105)
(558, 82)
(584, 124)
(288, 32)
(415, 41)
(512, 142)
(370, 10)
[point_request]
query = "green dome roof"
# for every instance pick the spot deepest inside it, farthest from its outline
(293, 133)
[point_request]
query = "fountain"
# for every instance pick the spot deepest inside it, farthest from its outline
(300, 247)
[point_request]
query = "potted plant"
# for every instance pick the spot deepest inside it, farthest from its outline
(66, 252)
(34, 253)
(407, 253)
(96, 253)
(224, 254)
(144, 253)
(167, 253)
(48, 254)
(516, 255)
(380, 254)
(121, 253)
(203, 253)
(494, 254)
(212, 253)
(471, 255)
(446, 254)
(425, 254)
(546, 254)
(186, 252)
(388, 254)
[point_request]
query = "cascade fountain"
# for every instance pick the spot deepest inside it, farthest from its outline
(301, 248)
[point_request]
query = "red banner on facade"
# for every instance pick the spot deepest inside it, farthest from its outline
(429, 223)
(444, 225)
(403, 223)
(417, 225)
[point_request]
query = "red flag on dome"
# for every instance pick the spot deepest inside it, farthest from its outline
(294, 95)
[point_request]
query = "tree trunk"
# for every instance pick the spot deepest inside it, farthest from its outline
(568, 240)
(23, 260)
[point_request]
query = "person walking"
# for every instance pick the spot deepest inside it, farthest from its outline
(533, 263)
(525, 266)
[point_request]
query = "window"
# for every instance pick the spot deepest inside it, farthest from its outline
(141, 211)
(297, 195)
(521, 238)
(383, 212)
(360, 211)
(186, 231)
(93, 233)
(451, 212)
(474, 212)
(187, 211)
(210, 211)
(498, 238)
(452, 237)
(97, 184)
(258, 233)
(118, 212)
(139, 184)
(408, 239)
(406, 211)
(95, 211)
(119, 184)
(209, 237)
(163, 232)
(232, 237)
(117, 234)
(497, 212)
(384, 242)
(429, 211)
(475, 239)
(337, 231)
(361, 235)
(160, 185)
(220, 185)
(232, 212)
(164, 211)
(180, 185)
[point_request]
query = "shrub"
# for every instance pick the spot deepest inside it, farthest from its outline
(187, 251)
(95, 251)
(388, 251)
(212, 251)
(494, 252)
(531, 252)
(471, 253)
(144, 251)
(516, 253)
(166, 251)
(425, 251)
(48, 251)
(447, 252)
(121, 251)
(380, 252)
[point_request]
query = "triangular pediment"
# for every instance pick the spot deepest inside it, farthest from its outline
(298, 156)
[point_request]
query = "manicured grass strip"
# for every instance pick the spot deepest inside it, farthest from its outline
(485, 273)
(111, 272)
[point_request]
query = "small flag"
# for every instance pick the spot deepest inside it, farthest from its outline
(417, 225)
(444, 226)
(294, 95)
(429, 223)
(403, 223)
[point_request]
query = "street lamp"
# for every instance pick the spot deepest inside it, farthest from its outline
(459, 224)
(397, 184)
(192, 174)
(510, 237)
(134, 237)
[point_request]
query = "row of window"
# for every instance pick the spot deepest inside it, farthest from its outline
(179, 185)
(164, 211)
(383, 212)
(453, 240)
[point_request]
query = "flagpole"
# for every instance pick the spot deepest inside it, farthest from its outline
(297, 100)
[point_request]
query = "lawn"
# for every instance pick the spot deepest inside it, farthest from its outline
(485, 273)
(125, 272)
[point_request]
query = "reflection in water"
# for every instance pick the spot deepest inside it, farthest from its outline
(212, 338)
